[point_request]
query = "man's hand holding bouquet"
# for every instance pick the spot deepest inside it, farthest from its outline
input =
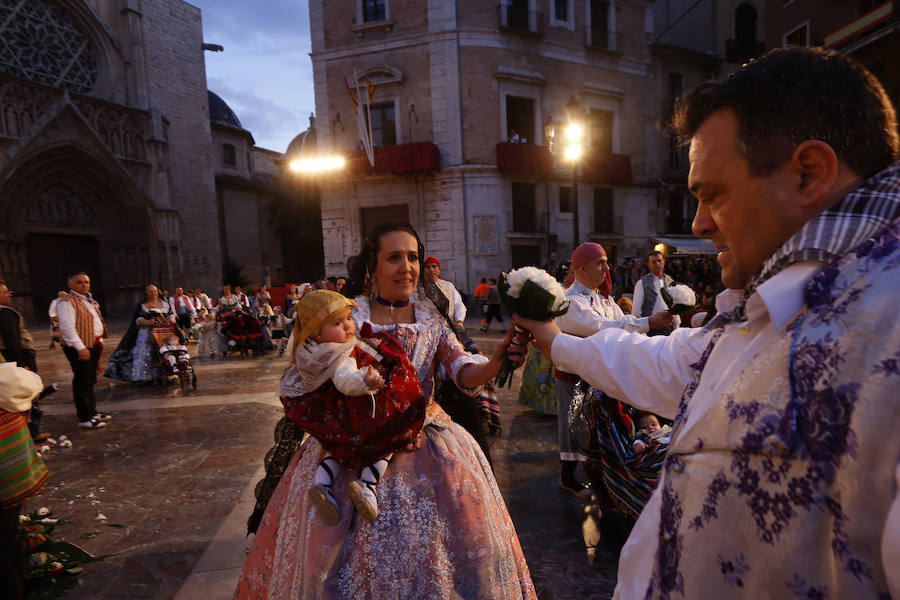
(532, 293)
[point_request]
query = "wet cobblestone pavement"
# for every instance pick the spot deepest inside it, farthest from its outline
(169, 469)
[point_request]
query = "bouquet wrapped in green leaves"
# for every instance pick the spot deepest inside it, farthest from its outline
(531, 293)
(679, 298)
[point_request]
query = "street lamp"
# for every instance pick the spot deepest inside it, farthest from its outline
(572, 153)
(317, 165)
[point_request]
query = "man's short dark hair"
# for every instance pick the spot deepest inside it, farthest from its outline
(483, 280)
(654, 253)
(790, 95)
(74, 274)
(493, 280)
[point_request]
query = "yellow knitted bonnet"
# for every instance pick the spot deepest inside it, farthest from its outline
(315, 309)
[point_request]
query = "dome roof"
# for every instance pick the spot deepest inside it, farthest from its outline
(219, 112)
(304, 142)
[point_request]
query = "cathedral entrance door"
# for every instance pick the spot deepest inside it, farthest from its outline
(52, 257)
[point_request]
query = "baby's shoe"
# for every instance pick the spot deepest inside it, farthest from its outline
(326, 505)
(364, 499)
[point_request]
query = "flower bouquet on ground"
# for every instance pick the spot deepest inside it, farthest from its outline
(679, 298)
(52, 567)
(532, 293)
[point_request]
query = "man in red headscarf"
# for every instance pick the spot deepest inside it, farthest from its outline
(433, 274)
(591, 308)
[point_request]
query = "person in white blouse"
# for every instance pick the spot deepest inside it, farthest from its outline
(647, 300)
(778, 481)
(591, 309)
(433, 274)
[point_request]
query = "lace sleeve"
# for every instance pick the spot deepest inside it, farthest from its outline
(453, 357)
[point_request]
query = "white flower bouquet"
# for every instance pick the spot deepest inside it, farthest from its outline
(531, 293)
(679, 298)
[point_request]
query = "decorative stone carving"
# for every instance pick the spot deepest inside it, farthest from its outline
(41, 43)
(59, 206)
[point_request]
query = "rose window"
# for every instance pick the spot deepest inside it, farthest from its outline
(40, 42)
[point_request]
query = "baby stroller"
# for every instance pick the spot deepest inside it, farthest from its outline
(174, 366)
(242, 332)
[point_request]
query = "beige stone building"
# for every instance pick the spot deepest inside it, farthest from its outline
(470, 103)
(247, 183)
(105, 154)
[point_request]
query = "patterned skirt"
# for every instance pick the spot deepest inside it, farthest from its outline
(22, 472)
(443, 532)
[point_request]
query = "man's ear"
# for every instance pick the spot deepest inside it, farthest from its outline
(817, 166)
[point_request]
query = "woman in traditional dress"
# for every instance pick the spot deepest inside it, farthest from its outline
(136, 356)
(538, 386)
(443, 530)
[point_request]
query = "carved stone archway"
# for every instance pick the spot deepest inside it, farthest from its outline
(65, 202)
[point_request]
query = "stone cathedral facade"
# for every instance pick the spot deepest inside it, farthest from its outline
(106, 156)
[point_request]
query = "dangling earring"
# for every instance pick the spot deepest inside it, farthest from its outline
(373, 288)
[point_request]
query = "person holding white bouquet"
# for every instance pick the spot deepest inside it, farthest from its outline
(647, 297)
(778, 482)
(591, 309)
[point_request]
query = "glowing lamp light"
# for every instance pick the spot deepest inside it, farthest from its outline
(659, 247)
(574, 132)
(315, 165)
(573, 152)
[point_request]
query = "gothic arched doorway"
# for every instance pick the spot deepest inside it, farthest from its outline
(63, 209)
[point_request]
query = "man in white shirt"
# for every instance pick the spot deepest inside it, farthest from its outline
(779, 481)
(81, 329)
(647, 300)
(457, 307)
(591, 309)
(184, 310)
(201, 300)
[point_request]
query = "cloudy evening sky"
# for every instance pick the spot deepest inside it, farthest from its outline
(265, 73)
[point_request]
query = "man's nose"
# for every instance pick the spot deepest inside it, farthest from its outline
(703, 224)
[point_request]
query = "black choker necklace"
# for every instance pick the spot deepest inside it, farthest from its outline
(391, 305)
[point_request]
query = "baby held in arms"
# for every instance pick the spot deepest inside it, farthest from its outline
(357, 397)
(650, 432)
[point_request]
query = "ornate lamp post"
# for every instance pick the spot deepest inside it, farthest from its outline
(572, 153)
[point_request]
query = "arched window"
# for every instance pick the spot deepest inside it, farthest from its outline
(40, 42)
(744, 46)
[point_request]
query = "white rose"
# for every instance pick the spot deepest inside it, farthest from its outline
(682, 294)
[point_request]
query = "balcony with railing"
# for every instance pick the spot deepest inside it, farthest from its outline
(606, 167)
(524, 159)
(400, 159)
(515, 17)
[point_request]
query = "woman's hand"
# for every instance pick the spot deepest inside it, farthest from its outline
(513, 345)
(543, 333)
(473, 375)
